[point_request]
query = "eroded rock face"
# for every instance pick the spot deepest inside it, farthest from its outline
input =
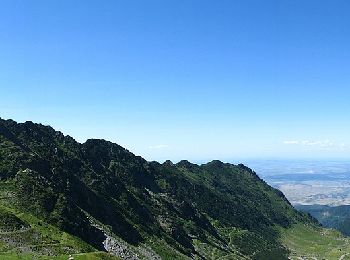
(112, 246)
(118, 248)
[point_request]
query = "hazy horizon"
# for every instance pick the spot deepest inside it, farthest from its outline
(195, 80)
(249, 161)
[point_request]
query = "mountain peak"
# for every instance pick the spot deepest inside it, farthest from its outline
(185, 164)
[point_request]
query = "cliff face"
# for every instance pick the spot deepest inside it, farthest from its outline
(99, 190)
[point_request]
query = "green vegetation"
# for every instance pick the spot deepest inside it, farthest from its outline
(59, 197)
(24, 235)
(81, 256)
(313, 241)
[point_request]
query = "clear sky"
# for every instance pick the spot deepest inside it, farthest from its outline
(184, 79)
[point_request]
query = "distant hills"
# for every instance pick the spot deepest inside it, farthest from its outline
(97, 200)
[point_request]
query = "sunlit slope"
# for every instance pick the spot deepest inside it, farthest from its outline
(315, 242)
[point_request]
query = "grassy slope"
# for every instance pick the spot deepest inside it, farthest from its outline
(314, 242)
(81, 256)
(37, 239)
(24, 236)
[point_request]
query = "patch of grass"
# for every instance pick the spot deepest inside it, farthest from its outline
(313, 241)
(24, 236)
(82, 256)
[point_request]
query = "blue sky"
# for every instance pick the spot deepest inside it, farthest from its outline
(189, 79)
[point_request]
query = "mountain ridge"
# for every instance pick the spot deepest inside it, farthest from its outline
(102, 194)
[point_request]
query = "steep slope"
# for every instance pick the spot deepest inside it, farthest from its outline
(112, 200)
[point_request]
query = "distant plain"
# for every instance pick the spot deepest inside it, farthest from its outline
(307, 182)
